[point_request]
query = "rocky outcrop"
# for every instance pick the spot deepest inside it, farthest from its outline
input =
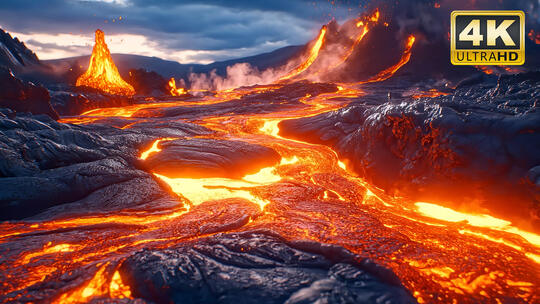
(477, 146)
(22, 96)
(147, 83)
(259, 267)
(14, 54)
(69, 103)
(55, 169)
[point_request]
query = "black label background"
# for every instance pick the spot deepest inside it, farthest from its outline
(513, 31)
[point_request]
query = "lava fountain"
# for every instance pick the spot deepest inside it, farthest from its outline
(174, 90)
(102, 73)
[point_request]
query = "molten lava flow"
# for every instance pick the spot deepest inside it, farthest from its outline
(358, 39)
(199, 190)
(365, 23)
(128, 111)
(48, 249)
(174, 90)
(389, 72)
(102, 73)
(313, 54)
(486, 70)
(498, 69)
(477, 220)
(375, 16)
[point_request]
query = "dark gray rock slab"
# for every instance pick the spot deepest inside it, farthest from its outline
(22, 96)
(259, 267)
(50, 169)
(203, 157)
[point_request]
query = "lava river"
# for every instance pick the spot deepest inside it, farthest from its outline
(439, 254)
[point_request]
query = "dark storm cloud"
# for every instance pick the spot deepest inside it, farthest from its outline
(180, 25)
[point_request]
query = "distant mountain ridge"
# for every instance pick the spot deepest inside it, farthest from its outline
(15, 56)
(167, 68)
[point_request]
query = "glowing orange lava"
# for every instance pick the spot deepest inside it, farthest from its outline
(313, 54)
(154, 148)
(534, 36)
(174, 90)
(441, 255)
(438, 253)
(102, 73)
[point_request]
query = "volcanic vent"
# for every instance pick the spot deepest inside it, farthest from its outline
(102, 73)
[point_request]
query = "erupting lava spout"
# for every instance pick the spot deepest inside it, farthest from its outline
(365, 24)
(313, 54)
(174, 90)
(102, 73)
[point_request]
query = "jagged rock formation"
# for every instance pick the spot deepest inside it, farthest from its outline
(147, 83)
(14, 54)
(23, 96)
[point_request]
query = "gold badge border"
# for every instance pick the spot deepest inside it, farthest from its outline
(521, 50)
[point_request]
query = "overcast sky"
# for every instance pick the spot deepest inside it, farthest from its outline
(185, 31)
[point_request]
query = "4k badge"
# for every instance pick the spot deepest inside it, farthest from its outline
(487, 37)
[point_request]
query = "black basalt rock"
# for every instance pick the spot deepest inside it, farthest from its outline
(204, 157)
(478, 144)
(50, 169)
(258, 267)
(22, 96)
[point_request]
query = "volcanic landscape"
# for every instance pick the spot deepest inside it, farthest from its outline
(354, 172)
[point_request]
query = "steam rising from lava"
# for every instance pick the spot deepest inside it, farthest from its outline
(328, 57)
(240, 74)
(102, 73)
(364, 49)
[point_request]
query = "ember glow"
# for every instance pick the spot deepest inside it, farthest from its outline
(154, 148)
(429, 93)
(102, 73)
(534, 36)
